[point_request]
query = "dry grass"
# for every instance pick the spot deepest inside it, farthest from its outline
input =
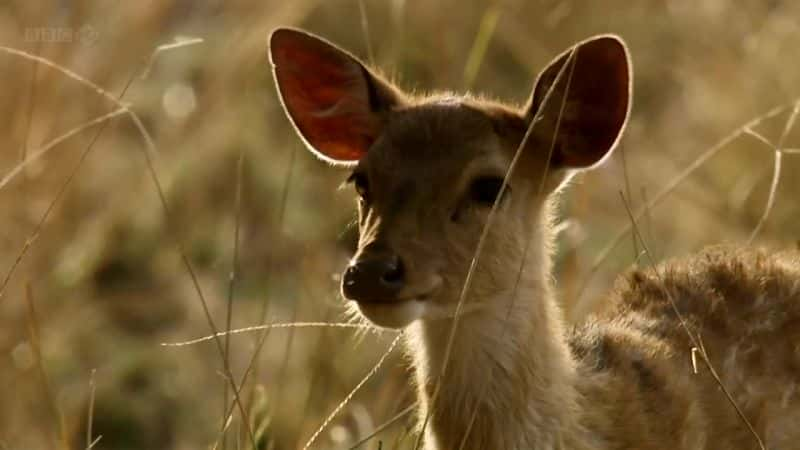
(260, 223)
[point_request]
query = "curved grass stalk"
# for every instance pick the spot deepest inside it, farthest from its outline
(268, 327)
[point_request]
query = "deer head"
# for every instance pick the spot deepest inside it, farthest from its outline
(428, 170)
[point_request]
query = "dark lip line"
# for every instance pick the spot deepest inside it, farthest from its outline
(420, 298)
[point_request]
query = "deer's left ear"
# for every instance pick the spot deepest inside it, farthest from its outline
(585, 113)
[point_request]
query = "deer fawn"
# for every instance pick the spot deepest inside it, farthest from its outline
(429, 171)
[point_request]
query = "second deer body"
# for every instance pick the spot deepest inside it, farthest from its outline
(432, 172)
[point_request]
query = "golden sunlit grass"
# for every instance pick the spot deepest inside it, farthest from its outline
(257, 223)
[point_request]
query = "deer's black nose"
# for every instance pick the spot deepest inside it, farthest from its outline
(374, 279)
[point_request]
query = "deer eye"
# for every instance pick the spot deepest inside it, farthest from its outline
(484, 190)
(361, 185)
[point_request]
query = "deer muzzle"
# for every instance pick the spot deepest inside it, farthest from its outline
(375, 278)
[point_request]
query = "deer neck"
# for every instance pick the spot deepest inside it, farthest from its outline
(509, 377)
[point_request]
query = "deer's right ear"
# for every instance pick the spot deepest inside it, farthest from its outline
(336, 104)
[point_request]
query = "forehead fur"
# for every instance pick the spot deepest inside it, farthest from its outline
(442, 128)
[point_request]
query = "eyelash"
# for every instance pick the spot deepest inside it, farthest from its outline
(361, 186)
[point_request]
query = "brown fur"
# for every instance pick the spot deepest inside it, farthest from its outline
(517, 377)
(744, 304)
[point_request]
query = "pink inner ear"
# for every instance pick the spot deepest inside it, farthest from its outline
(602, 89)
(597, 101)
(326, 95)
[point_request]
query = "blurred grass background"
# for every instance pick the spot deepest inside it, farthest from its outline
(103, 284)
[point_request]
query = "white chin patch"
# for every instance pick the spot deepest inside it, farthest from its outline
(392, 315)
